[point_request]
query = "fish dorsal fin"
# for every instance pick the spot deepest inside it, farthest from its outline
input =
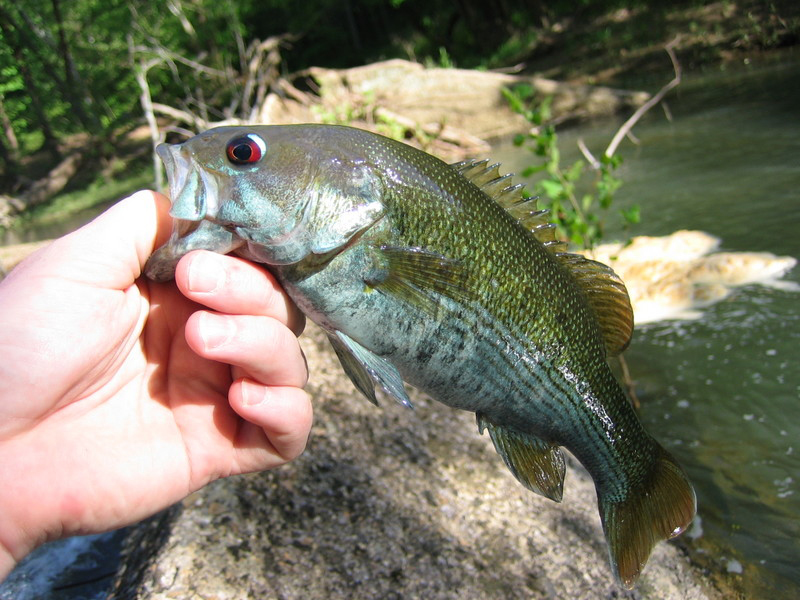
(607, 295)
(510, 196)
(537, 464)
(487, 177)
(604, 290)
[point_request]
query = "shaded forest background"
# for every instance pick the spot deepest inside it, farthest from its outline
(68, 70)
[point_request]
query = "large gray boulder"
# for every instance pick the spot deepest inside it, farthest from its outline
(387, 503)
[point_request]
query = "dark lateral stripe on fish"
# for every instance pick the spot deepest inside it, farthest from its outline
(553, 404)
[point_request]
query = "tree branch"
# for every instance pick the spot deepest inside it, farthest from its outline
(628, 125)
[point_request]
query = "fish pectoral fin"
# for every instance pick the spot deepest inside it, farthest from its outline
(537, 464)
(417, 276)
(365, 368)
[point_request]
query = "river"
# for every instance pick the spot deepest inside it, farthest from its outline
(721, 392)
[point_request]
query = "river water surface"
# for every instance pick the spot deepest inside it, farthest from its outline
(722, 392)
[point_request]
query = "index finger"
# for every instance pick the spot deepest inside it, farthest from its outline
(232, 285)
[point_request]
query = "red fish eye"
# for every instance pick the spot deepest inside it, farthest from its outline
(246, 150)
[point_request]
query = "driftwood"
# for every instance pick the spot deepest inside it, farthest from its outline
(470, 101)
(451, 112)
(43, 189)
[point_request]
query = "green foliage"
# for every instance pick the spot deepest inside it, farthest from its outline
(578, 215)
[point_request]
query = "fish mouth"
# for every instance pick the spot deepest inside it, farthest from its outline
(193, 192)
(194, 197)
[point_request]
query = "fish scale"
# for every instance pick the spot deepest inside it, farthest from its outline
(445, 277)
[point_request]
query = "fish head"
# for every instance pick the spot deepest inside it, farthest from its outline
(283, 192)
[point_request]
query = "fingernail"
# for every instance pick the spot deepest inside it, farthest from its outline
(205, 275)
(215, 331)
(253, 394)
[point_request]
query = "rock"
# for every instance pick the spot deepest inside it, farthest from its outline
(387, 503)
(468, 100)
(677, 275)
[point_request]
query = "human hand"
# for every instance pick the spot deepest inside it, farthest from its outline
(120, 396)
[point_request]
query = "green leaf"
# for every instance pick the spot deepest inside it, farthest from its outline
(631, 215)
(551, 188)
(575, 171)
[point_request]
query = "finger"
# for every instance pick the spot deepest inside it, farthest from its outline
(262, 346)
(111, 250)
(282, 417)
(235, 286)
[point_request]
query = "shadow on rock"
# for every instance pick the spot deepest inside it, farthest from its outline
(389, 503)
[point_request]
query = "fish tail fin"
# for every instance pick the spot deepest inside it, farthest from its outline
(661, 508)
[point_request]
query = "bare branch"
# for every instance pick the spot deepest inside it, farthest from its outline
(180, 115)
(140, 70)
(587, 154)
(628, 125)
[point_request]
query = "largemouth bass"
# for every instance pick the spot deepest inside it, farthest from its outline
(445, 277)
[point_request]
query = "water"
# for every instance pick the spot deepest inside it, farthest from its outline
(723, 392)
(77, 568)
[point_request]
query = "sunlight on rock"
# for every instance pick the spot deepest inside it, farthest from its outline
(675, 276)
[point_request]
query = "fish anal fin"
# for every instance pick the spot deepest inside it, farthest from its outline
(416, 276)
(661, 508)
(608, 297)
(365, 367)
(537, 464)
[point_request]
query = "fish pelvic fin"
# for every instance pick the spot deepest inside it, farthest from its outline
(537, 464)
(354, 369)
(365, 368)
(661, 508)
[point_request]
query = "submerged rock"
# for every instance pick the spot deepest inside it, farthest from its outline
(387, 503)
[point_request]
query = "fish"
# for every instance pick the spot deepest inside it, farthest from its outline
(445, 277)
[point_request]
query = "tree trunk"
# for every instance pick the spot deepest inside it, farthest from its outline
(75, 90)
(9, 145)
(12, 32)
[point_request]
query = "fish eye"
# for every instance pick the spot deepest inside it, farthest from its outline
(246, 150)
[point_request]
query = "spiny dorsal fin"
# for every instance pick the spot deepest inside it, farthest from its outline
(487, 177)
(604, 290)
(508, 195)
(607, 295)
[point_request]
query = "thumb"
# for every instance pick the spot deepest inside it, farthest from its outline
(111, 250)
